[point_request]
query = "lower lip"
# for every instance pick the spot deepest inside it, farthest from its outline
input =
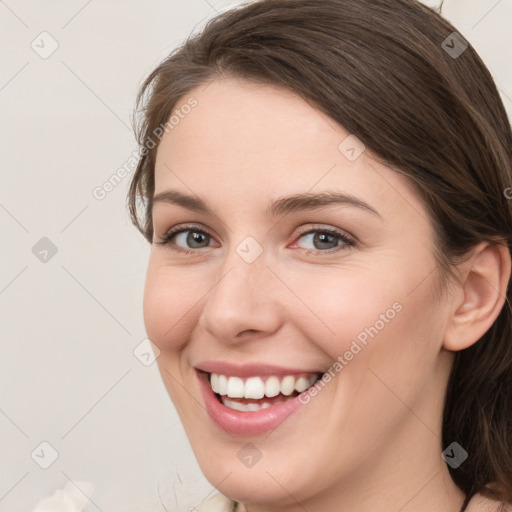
(245, 423)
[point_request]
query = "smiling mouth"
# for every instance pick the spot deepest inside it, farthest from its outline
(255, 393)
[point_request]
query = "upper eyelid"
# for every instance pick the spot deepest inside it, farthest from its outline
(198, 227)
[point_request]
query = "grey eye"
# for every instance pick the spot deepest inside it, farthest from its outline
(192, 239)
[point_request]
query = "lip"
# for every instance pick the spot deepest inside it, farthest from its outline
(250, 370)
(246, 423)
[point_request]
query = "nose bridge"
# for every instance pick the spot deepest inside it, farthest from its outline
(242, 297)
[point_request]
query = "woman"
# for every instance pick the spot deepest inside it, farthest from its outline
(324, 187)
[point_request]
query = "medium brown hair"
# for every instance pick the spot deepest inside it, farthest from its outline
(381, 70)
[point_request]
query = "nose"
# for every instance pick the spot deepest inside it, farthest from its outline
(242, 302)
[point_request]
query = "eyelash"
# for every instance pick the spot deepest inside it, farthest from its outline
(167, 237)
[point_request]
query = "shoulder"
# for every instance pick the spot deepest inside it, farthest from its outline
(217, 503)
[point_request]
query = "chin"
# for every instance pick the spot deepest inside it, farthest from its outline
(268, 481)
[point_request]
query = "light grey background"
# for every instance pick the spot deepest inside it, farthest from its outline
(69, 326)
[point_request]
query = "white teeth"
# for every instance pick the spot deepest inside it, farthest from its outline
(288, 385)
(254, 388)
(238, 406)
(214, 382)
(302, 384)
(222, 385)
(272, 387)
(257, 388)
(235, 387)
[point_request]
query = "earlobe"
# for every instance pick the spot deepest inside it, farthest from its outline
(484, 286)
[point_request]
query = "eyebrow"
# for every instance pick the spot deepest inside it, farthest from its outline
(280, 206)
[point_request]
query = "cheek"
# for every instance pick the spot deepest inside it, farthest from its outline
(370, 313)
(168, 308)
(346, 307)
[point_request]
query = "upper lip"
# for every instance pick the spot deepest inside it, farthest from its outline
(250, 370)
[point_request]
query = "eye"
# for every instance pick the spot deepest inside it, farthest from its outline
(189, 239)
(186, 239)
(326, 240)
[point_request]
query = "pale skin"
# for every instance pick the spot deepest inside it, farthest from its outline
(371, 439)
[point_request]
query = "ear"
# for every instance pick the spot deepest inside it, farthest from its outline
(484, 281)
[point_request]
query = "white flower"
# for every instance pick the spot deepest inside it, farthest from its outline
(72, 498)
(433, 4)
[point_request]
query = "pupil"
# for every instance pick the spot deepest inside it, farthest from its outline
(194, 237)
(321, 238)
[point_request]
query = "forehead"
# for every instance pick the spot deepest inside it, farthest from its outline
(236, 118)
(244, 140)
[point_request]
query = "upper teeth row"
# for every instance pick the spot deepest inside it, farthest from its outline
(255, 387)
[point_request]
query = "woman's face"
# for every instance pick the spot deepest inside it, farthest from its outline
(337, 279)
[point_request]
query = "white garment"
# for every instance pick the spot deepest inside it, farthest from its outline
(72, 498)
(218, 503)
(75, 495)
